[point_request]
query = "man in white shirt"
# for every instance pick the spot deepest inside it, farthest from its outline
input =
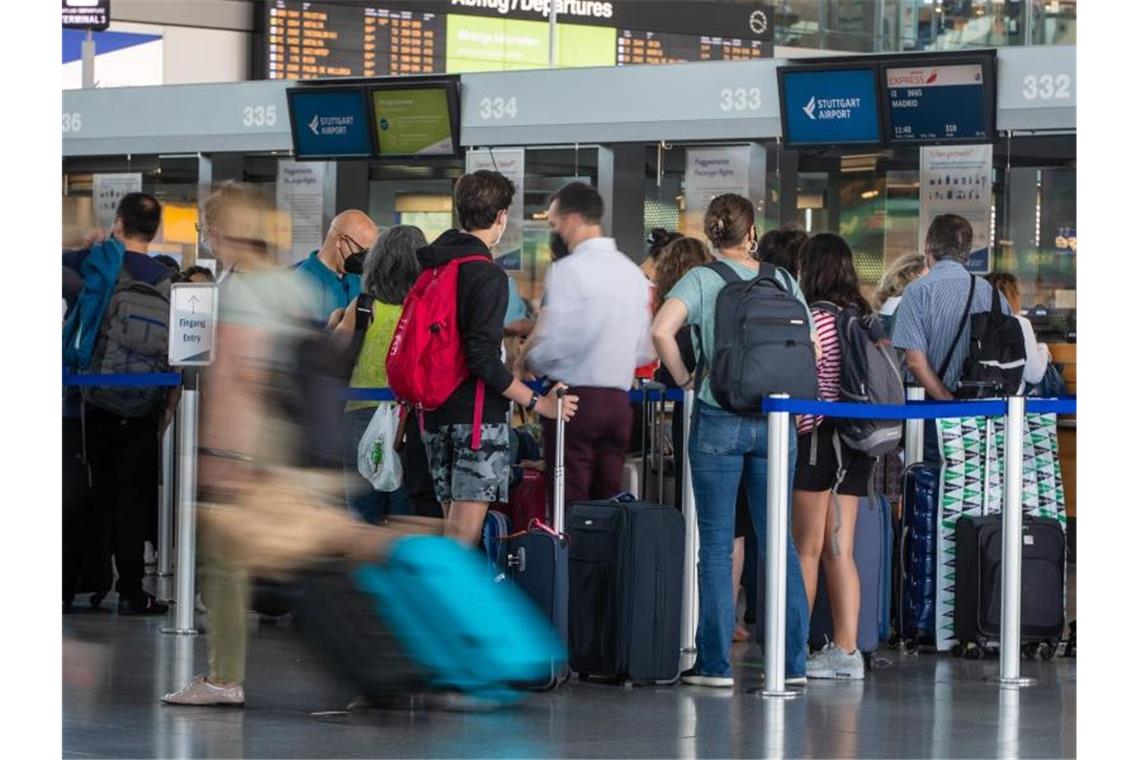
(592, 333)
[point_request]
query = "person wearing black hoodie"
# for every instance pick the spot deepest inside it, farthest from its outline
(465, 479)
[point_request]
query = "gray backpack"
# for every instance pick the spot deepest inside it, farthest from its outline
(869, 374)
(132, 340)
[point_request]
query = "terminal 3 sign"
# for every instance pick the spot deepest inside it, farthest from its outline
(86, 14)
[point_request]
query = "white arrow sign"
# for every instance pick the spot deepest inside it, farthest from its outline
(193, 323)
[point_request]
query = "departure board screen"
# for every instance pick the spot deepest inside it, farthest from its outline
(645, 47)
(949, 103)
(309, 40)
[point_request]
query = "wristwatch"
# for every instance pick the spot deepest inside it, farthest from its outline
(533, 402)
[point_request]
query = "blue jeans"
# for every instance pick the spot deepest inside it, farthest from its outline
(724, 447)
(363, 500)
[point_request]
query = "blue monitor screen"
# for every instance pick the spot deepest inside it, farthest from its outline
(330, 123)
(937, 103)
(831, 106)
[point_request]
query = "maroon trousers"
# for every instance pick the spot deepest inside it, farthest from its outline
(596, 442)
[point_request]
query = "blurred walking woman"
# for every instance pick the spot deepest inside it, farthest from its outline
(724, 449)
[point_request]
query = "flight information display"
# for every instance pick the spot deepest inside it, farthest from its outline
(948, 103)
(311, 40)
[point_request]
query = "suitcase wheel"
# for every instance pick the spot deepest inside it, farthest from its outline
(958, 650)
(975, 652)
(97, 598)
(1047, 651)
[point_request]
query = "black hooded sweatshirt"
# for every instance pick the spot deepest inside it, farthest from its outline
(481, 303)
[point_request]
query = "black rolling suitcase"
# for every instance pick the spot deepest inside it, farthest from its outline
(978, 571)
(626, 565)
(538, 560)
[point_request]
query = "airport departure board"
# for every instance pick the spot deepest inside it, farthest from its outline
(310, 40)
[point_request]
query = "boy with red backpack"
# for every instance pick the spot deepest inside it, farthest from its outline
(445, 359)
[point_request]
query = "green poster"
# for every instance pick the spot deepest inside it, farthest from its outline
(412, 122)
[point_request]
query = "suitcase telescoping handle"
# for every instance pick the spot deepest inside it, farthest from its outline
(560, 466)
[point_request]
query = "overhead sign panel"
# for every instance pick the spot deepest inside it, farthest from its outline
(833, 105)
(87, 14)
(193, 323)
(940, 103)
(329, 122)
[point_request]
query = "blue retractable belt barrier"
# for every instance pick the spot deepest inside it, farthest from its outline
(369, 394)
(919, 410)
(385, 394)
(147, 379)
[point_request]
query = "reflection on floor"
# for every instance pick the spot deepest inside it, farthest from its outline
(915, 706)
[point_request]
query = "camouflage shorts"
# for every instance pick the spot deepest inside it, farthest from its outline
(459, 473)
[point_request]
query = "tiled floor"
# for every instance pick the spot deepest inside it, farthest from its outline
(919, 706)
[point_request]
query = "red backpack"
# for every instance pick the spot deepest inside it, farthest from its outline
(426, 362)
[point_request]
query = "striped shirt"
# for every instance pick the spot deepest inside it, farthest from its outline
(931, 309)
(826, 366)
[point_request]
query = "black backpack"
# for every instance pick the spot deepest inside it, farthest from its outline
(763, 341)
(995, 364)
(869, 374)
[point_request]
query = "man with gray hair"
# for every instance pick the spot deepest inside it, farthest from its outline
(932, 321)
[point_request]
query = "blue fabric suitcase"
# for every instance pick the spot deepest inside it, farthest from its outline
(441, 622)
(917, 554)
(873, 561)
(496, 528)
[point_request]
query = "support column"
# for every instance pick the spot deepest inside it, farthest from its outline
(787, 163)
(621, 182)
(346, 187)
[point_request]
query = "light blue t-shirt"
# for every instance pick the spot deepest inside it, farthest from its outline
(516, 307)
(698, 290)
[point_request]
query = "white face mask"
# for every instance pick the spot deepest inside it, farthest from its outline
(502, 231)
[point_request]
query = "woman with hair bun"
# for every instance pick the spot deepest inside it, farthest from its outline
(726, 449)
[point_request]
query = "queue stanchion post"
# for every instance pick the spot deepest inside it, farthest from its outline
(776, 556)
(913, 438)
(187, 513)
(690, 600)
(1011, 550)
(166, 505)
(560, 466)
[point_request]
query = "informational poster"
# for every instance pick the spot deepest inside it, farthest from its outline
(710, 172)
(301, 205)
(108, 190)
(958, 180)
(510, 162)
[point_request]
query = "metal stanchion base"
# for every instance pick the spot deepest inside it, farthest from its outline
(1013, 683)
(164, 575)
(785, 694)
(181, 631)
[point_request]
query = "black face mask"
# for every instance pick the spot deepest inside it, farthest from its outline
(558, 248)
(354, 264)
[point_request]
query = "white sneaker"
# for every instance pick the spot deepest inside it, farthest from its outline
(832, 662)
(202, 692)
(693, 678)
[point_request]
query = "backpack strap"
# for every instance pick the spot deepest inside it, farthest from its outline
(727, 273)
(961, 327)
(363, 322)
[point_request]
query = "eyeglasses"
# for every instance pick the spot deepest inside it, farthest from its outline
(358, 247)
